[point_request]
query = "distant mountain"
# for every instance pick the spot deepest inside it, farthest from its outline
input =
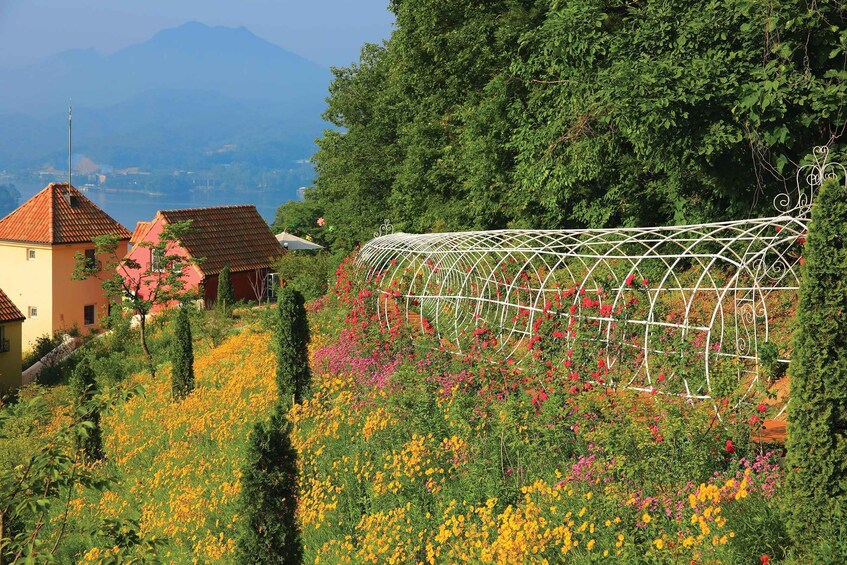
(170, 101)
(231, 61)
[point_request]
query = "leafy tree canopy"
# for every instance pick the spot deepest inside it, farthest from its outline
(600, 113)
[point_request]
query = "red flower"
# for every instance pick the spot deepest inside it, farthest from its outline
(644, 282)
(765, 559)
(729, 447)
(630, 279)
(762, 407)
(558, 335)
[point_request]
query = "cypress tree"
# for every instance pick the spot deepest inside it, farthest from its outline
(84, 388)
(817, 414)
(292, 340)
(226, 294)
(182, 356)
(269, 532)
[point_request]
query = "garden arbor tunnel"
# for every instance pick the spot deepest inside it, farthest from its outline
(687, 310)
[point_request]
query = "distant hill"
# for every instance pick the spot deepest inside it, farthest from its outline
(170, 101)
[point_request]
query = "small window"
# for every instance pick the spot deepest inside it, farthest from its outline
(88, 315)
(4, 343)
(90, 259)
(33, 311)
(30, 254)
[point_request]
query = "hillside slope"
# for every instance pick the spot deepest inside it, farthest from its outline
(178, 465)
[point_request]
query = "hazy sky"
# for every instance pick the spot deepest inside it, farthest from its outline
(329, 32)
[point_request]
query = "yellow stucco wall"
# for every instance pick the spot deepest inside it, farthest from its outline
(29, 283)
(69, 296)
(10, 361)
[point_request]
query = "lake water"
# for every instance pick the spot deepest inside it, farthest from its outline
(128, 208)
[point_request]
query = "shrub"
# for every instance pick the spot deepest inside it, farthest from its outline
(817, 414)
(292, 338)
(182, 356)
(42, 347)
(306, 272)
(269, 531)
(226, 294)
(84, 387)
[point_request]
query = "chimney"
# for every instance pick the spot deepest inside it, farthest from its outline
(70, 198)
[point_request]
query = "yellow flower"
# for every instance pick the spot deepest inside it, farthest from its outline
(645, 518)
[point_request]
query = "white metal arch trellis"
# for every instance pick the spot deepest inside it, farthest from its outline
(665, 307)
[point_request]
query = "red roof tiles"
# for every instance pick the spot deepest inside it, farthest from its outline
(59, 214)
(234, 236)
(141, 229)
(8, 311)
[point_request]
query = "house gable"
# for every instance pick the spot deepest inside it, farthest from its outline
(59, 214)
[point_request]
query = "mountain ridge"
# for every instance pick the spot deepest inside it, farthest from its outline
(192, 55)
(165, 102)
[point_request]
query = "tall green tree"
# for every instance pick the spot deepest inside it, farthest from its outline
(182, 356)
(291, 336)
(269, 532)
(817, 413)
(531, 113)
(226, 294)
(84, 387)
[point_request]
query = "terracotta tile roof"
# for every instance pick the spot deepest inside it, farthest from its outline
(53, 217)
(8, 311)
(141, 229)
(236, 236)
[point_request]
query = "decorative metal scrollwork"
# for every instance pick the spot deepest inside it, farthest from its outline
(809, 179)
(385, 229)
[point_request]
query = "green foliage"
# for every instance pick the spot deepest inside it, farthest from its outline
(226, 294)
(302, 219)
(269, 532)
(214, 324)
(43, 345)
(84, 388)
(41, 484)
(528, 113)
(769, 364)
(817, 414)
(291, 338)
(306, 272)
(182, 356)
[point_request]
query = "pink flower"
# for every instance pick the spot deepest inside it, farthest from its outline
(321, 221)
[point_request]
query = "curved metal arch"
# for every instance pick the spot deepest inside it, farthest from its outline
(711, 299)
